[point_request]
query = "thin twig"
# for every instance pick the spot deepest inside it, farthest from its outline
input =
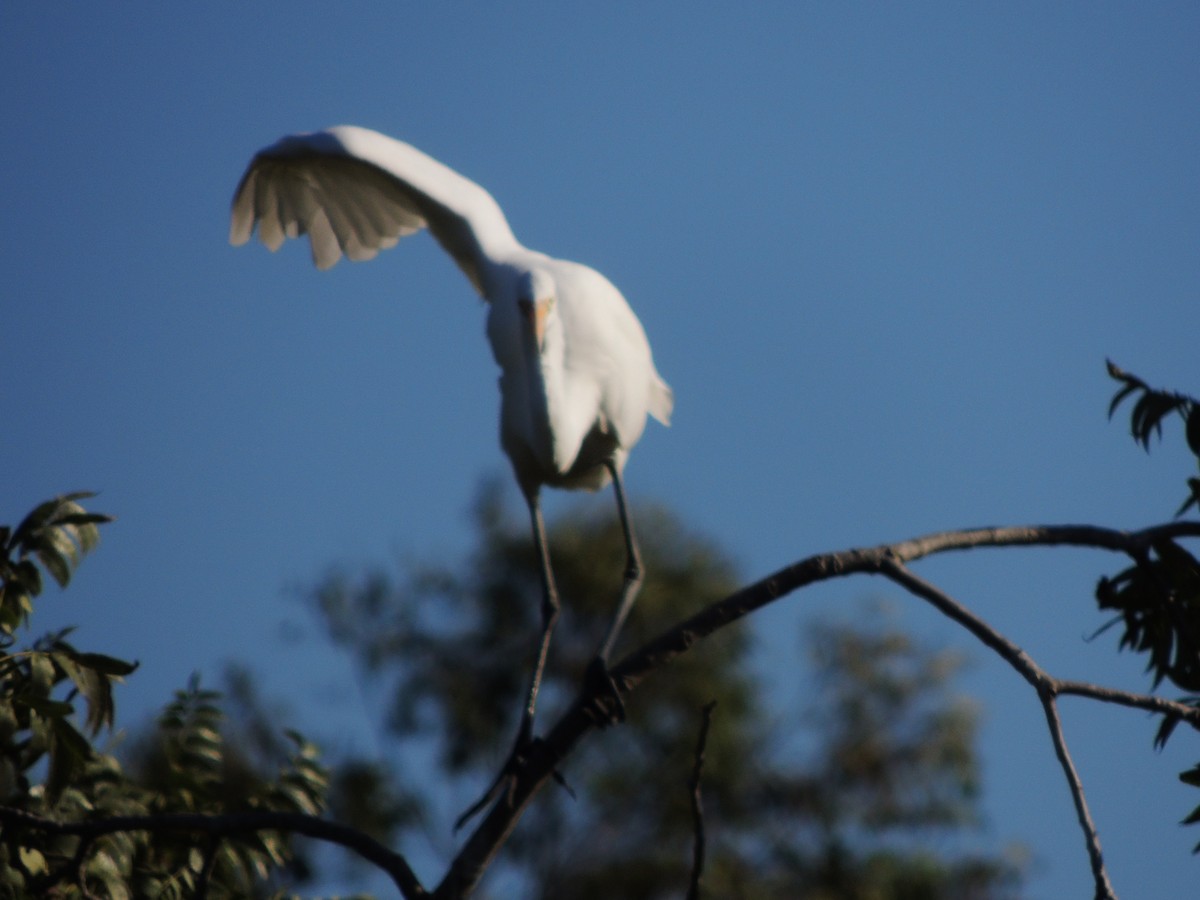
(947, 605)
(698, 844)
(1148, 702)
(1047, 689)
(1104, 888)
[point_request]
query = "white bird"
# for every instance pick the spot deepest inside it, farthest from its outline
(577, 377)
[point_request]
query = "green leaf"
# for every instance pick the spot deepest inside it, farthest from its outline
(68, 751)
(95, 688)
(1164, 730)
(106, 665)
(1159, 603)
(32, 860)
(1147, 416)
(102, 867)
(1118, 397)
(12, 608)
(82, 518)
(57, 533)
(55, 563)
(41, 673)
(63, 539)
(45, 707)
(71, 740)
(1192, 500)
(29, 577)
(36, 520)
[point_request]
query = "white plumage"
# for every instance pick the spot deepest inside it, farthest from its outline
(577, 378)
(587, 384)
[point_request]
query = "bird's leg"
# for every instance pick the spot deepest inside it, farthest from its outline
(633, 568)
(598, 674)
(550, 608)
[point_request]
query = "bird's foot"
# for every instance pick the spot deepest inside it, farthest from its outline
(504, 785)
(507, 778)
(607, 706)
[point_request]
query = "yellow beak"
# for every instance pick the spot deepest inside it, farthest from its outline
(535, 314)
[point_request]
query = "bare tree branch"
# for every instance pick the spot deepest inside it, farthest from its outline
(698, 845)
(545, 755)
(483, 844)
(1104, 888)
(1047, 689)
(1148, 702)
(1014, 655)
(223, 825)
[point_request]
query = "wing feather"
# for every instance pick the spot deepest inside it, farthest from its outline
(355, 192)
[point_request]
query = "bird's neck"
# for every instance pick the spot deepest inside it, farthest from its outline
(544, 383)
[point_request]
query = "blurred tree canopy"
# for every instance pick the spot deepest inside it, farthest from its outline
(51, 768)
(887, 762)
(869, 792)
(888, 770)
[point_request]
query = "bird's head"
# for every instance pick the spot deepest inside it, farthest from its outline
(535, 302)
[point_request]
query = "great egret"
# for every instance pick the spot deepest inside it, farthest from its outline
(577, 378)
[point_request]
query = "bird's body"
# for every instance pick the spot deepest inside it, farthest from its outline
(574, 399)
(584, 398)
(577, 377)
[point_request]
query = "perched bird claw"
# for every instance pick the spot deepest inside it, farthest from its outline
(525, 746)
(506, 780)
(607, 705)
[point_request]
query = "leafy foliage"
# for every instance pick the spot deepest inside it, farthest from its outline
(189, 767)
(53, 537)
(37, 686)
(452, 647)
(1158, 600)
(1158, 597)
(1146, 418)
(50, 767)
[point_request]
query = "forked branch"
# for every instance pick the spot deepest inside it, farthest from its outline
(1048, 689)
(588, 711)
(887, 559)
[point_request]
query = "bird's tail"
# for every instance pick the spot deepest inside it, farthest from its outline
(662, 401)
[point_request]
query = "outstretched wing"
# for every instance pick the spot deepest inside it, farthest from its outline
(354, 191)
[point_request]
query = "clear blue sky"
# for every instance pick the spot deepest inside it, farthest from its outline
(881, 252)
